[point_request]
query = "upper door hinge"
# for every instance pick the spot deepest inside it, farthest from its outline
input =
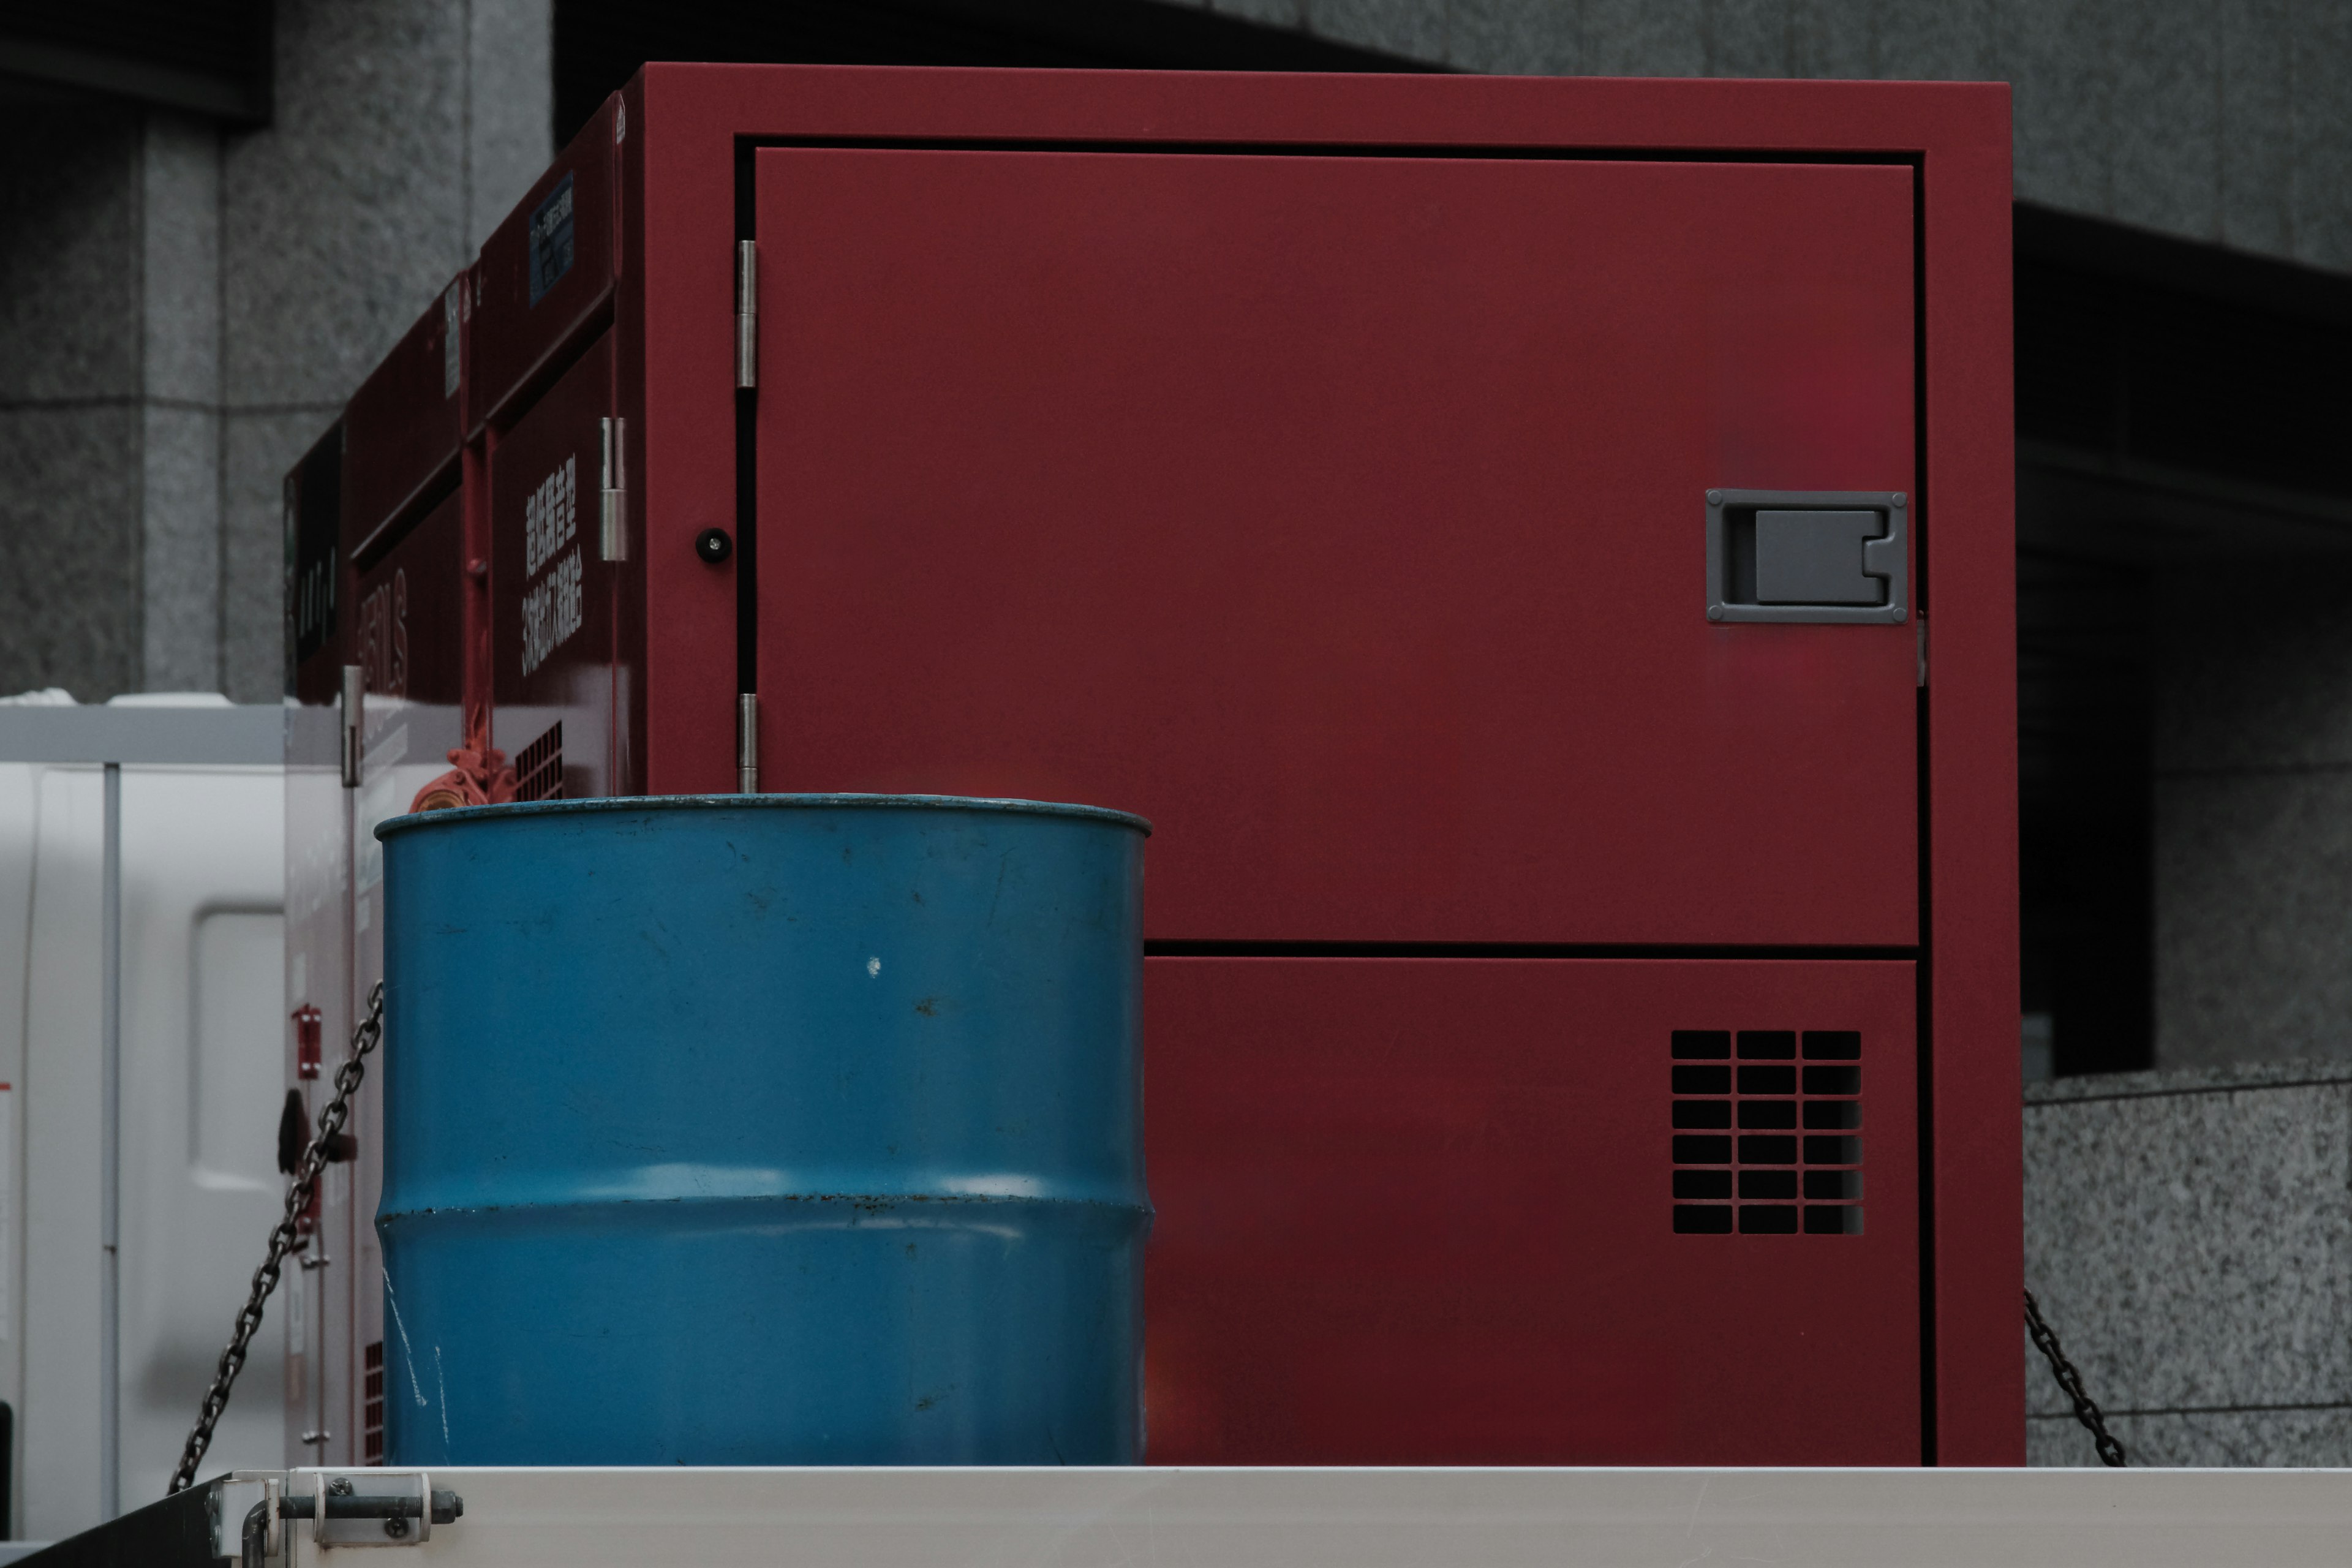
(614, 522)
(747, 314)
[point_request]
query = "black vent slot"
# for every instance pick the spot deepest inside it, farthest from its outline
(372, 1424)
(539, 767)
(1793, 1166)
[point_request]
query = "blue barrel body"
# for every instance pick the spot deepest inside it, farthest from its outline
(769, 1130)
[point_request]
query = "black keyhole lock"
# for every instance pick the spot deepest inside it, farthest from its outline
(713, 545)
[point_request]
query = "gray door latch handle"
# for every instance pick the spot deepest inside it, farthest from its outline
(1808, 555)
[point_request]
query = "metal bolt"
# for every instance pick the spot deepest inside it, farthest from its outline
(396, 1527)
(1898, 497)
(1714, 497)
(1715, 612)
(341, 1486)
(713, 545)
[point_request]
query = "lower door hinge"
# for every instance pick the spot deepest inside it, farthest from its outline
(1921, 623)
(747, 314)
(747, 743)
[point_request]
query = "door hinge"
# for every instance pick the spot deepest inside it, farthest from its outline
(1921, 623)
(355, 702)
(747, 743)
(747, 314)
(613, 540)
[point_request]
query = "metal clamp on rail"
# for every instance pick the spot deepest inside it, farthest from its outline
(341, 1515)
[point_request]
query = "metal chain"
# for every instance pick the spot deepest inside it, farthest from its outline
(2086, 1410)
(282, 1240)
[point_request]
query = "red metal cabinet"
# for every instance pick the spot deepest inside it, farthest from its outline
(1398, 489)
(553, 591)
(1417, 1211)
(545, 277)
(1345, 516)
(404, 426)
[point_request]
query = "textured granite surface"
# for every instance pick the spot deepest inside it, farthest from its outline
(348, 215)
(2320, 180)
(2228, 122)
(1914, 41)
(182, 311)
(405, 132)
(69, 547)
(179, 496)
(510, 102)
(1409, 27)
(1513, 35)
(2253, 815)
(179, 630)
(2276, 1438)
(2256, 172)
(2253, 915)
(2170, 1082)
(2253, 671)
(179, 259)
(68, 272)
(1636, 38)
(1273, 13)
(2190, 1236)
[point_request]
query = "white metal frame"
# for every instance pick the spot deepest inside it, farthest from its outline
(111, 738)
(853, 1518)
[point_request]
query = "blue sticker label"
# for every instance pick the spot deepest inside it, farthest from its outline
(550, 239)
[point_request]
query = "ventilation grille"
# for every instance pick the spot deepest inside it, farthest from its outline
(1768, 1140)
(539, 767)
(372, 1424)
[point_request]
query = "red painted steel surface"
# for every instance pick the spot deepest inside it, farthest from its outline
(1419, 1211)
(1390, 614)
(551, 594)
(682, 447)
(1344, 517)
(1971, 701)
(567, 225)
(318, 573)
(404, 426)
(408, 627)
(660, 554)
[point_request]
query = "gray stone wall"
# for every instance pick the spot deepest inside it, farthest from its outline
(182, 311)
(404, 129)
(2253, 815)
(2228, 121)
(2190, 1236)
(70, 390)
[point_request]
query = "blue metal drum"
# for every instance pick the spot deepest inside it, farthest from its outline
(763, 1129)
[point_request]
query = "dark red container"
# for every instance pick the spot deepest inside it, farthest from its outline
(1580, 988)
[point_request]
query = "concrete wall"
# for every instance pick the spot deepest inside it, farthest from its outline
(2253, 815)
(2217, 119)
(2190, 1236)
(182, 311)
(70, 388)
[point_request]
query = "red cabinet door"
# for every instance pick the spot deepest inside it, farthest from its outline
(552, 594)
(1425, 1211)
(1345, 516)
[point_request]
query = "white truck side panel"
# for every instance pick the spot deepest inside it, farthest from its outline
(203, 895)
(858, 1518)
